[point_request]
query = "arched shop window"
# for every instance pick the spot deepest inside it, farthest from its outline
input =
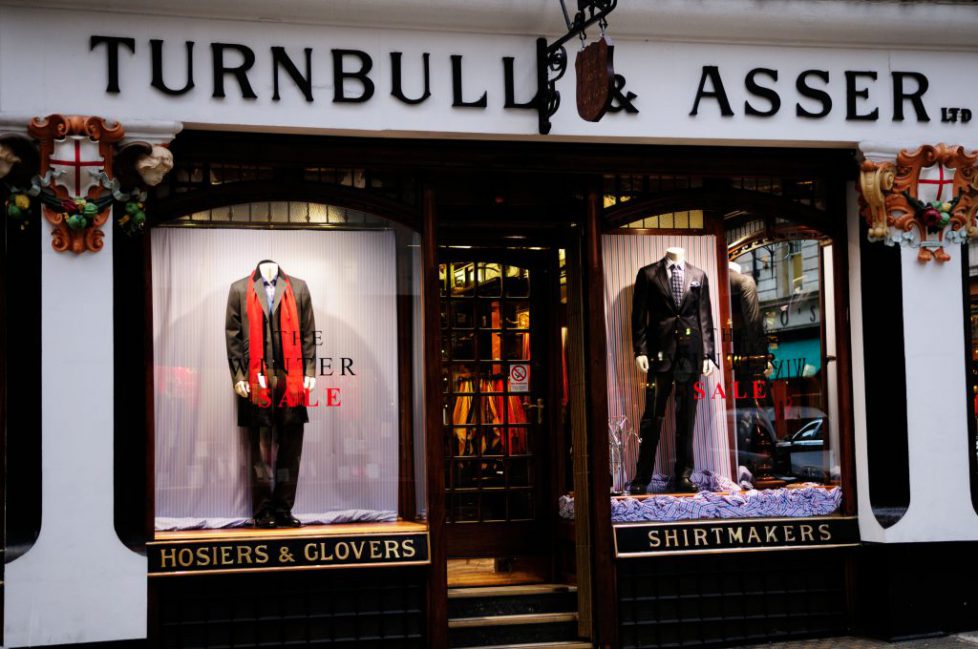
(720, 301)
(21, 326)
(970, 272)
(348, 286)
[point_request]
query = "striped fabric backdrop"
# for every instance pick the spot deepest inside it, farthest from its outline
(349, 459)
(624, 255)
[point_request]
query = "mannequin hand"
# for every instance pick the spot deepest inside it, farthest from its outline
(309, 383)
(242, 389)
(642, 362)
(769, 370)
(707, 367)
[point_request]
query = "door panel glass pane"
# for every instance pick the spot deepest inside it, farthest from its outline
(517, 314)
(517, 282)
(463, 346)
(494, 506)
(490, 314)
(490, 280)
(491, 473)
(463, 443)
(516, 346)
(465, 507)
(466, 474)
(462, 280)
(519, 472)
(490, 346)
(519, 437)
(462, 314)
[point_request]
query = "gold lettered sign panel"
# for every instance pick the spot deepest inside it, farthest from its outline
(232, 554)
(700, 537)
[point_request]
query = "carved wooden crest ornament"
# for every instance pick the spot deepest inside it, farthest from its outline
(595, 79)
(927, 198)
(76, 166)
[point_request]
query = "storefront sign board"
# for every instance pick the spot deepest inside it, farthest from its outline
(706, 536)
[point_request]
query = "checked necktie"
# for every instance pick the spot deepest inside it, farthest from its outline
(677, 283)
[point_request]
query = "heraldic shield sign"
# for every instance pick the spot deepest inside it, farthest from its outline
(595, 79)
(927, 199)
(76, 164)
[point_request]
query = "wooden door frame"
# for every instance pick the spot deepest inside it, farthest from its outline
(508, 538)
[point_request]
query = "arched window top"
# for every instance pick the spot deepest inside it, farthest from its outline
(281, 214)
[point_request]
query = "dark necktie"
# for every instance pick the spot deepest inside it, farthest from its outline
(677, 283)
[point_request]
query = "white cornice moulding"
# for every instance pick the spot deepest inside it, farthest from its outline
(884, 151)
(887, 151)
(858, 23)
(154, 132)
(15, 123)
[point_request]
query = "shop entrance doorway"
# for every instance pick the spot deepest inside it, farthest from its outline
(501, 382)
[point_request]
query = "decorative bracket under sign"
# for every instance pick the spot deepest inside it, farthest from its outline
(552, 61)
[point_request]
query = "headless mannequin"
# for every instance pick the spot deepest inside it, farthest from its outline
(678, 256)
(674, 373)
(275, 430)
(269, 271)
(737, 268)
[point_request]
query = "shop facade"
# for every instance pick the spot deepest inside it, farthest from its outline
(700, 372)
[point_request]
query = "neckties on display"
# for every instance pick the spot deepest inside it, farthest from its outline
(677, 283)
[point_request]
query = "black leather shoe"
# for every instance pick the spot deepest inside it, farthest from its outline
(265, 520)
(637, 487)
(684, 484)
(286, 519)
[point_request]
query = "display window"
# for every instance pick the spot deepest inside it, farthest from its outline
(970, 280)
(723, 391)
(286, 367)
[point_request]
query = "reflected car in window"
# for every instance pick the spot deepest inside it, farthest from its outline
(802, 455)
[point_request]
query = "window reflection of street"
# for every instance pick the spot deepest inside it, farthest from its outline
(784, 434)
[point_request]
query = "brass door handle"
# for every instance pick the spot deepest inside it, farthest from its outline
(538, 406)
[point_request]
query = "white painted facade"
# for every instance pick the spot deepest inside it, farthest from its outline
(72, 587)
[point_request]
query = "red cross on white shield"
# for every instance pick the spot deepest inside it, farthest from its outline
(935, 184)
(78, 160)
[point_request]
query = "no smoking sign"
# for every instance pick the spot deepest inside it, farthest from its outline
(519, 377)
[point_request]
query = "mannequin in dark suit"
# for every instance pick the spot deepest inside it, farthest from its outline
(674, 343)
(755, 439)
(746, 325)
(273, 486)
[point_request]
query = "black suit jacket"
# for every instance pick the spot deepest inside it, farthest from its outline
(237, 334)
(661, 329)
(745, 319)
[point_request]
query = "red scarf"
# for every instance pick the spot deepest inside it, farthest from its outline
(291, 347)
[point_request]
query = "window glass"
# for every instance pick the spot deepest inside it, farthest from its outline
(720, 372)
(971, 292)
(282, 368)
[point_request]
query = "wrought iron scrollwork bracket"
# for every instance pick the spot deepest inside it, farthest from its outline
(552, 57)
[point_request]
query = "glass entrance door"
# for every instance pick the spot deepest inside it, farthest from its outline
(496, 333)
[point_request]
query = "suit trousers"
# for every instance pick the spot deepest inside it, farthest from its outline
(273, 484)
(658, 389)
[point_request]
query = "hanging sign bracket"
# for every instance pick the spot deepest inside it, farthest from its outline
(552, 57)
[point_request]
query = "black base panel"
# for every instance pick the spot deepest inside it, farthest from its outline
(731, 599)
(559, 602)
(512, 634)
(316, 608)
(917, 589)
